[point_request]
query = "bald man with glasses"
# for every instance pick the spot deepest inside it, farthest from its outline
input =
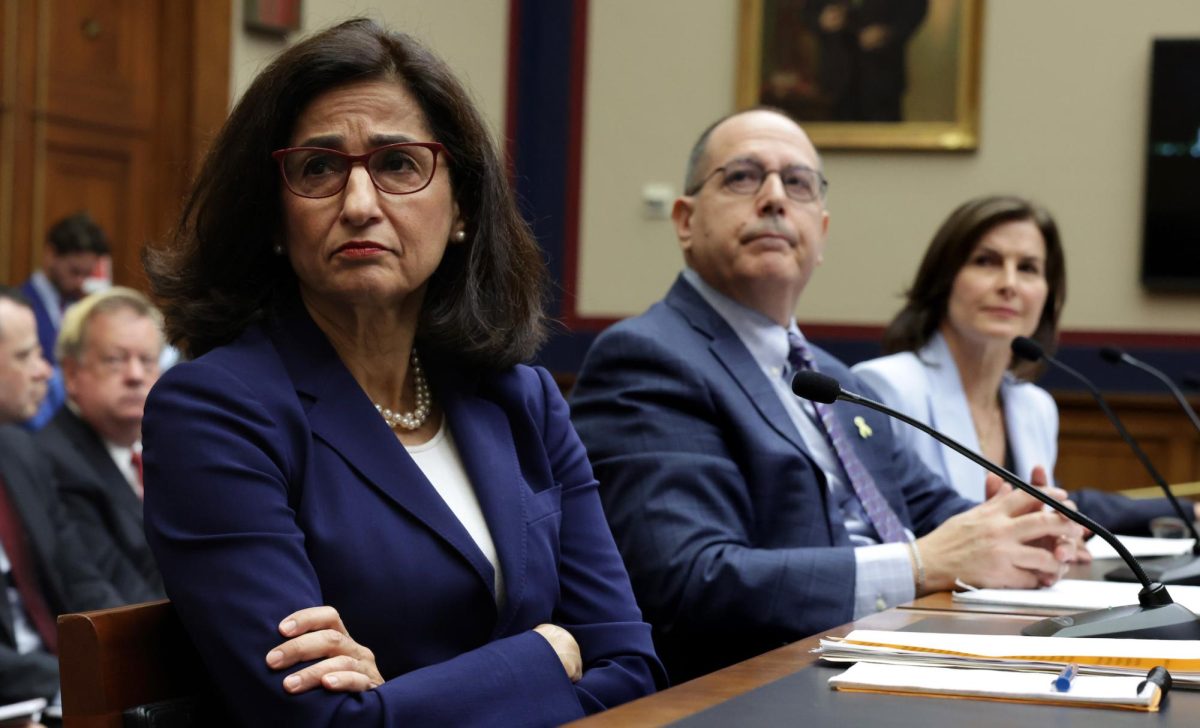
(748, 518)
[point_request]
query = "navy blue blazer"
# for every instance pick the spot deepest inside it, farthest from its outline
(722, 516)
(46, 329)
(273, 485)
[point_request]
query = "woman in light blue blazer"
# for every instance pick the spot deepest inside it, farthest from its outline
(351, 532)
(994, 271)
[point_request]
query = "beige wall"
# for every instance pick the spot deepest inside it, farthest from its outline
(1064, 88)
(1063, 120)
(471, 35)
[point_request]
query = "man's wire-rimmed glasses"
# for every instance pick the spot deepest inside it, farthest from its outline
(746, 177)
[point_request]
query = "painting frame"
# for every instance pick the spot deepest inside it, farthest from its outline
(960, 133)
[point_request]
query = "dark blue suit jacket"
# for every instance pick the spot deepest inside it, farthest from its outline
(56, 392)
(66, 568)
(101, 505)
(721, 514)
(46, 330)
(272, 485)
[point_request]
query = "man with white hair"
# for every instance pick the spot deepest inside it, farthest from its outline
(109, 349)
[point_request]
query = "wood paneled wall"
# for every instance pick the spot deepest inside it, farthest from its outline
(105, 106)
(1092, 455)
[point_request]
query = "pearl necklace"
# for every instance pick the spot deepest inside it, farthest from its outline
(416, 418)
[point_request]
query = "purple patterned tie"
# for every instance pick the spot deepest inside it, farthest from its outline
(887, 525)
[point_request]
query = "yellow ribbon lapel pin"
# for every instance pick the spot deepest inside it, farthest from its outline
(864, 430)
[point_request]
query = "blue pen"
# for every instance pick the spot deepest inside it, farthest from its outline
(1062, 683)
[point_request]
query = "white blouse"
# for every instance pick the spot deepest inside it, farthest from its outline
(439, 460)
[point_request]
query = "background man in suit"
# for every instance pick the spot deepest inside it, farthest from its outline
(23, 370)
(748, 518)
(73, 248)
(109, 350)
(43, 567)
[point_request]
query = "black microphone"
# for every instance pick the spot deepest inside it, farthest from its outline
(1185, 570)
(1116, 356)
(1156, 616)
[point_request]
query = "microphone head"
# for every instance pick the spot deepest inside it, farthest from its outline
(1111, 354)
(812, 385)
(1027, 348)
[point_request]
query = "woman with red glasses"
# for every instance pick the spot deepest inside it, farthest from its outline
(365, 509)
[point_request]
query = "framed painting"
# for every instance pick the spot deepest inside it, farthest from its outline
(271, 17)
(866, 74)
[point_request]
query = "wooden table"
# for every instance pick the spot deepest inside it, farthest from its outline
(709, 690)
(788, 685)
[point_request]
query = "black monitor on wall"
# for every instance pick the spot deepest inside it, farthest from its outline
(1171, 216)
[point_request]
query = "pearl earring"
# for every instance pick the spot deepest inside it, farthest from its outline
(459, 236)
(278, 249)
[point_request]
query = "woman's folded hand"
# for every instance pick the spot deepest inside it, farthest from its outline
(565, 646)
(317, 633)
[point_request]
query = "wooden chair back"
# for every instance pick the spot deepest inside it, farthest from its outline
(114, 660)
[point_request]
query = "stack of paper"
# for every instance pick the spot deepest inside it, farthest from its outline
(1092, 691)
(1142, 547)
(1076, 594)
(1046, 655)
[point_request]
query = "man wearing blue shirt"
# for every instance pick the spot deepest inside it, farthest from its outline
(73, 248)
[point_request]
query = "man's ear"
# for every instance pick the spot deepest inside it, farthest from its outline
(70, 367)
(824, 235)
(681, 216)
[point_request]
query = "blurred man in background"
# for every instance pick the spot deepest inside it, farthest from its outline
(44, 569)
(108, 349)
(73, 248)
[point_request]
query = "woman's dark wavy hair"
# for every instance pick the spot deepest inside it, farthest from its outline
(218, 273)
(927, 299)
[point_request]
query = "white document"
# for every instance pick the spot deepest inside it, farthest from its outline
(24, 709)
(1095, 656)
(1086, 690)
(1076, 594)
(1140, 546)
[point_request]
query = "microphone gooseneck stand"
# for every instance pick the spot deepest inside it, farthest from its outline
(1115, 356)
(1156, 616)
(1182, 570)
